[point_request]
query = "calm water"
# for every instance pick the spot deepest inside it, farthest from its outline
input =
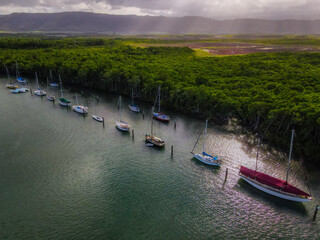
(63, 176)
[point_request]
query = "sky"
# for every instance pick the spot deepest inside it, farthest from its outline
(216, 9)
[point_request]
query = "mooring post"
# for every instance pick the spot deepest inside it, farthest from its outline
(315, 213)
(225, 178)
(132, 133)
(30, 91)
(142, 114)
(175, 124)
(53, 101)
(172, 151)
(103, 121)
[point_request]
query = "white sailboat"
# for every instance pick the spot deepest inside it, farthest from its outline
(205, 157)
(274, 186)
(63, 101)
(132, 106)
(9, 84)
(39, 91)
(153, 140)
(159, 115)
(52, 83)
(96, 117)
(51, 97)
(121, 125)
(18, 77)
(79, 108)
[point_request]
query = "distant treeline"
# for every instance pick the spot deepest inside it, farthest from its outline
(268, 93)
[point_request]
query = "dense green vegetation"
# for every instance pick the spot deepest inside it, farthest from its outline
(270, 93)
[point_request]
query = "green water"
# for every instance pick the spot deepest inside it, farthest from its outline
(63, 176)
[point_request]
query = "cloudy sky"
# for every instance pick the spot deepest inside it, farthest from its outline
(217, 9)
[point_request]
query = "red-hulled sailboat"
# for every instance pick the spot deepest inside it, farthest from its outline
(159, 115)
(272, 185)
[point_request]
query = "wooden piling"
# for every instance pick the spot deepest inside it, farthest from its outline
(225, 178)
(132, 133)
(315, 213)
(172, 151)
(142, 115)
(175, 124)
(30, 91)
(103, 121)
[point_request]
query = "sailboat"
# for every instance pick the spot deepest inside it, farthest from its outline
(160, 116)
(79, 108)
(18, 77)
(151, 139)
(53, 84)
(132, 106)
(9, 84)
(39, 91)
(205, 157)
(50, 98)
(96, 117)
(274, 186)
(63, 101)
(121, 125)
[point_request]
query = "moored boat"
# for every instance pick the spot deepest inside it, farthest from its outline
(79, 108)
(274, 186)
(156, 141)
(159, 115)
(132, 106)
(63, 101)
(18, 77)
(9, 84)
(121, 125)
(97, 118)
(205, 157)
(39, 91)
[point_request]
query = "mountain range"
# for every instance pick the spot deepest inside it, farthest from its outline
(84, 22)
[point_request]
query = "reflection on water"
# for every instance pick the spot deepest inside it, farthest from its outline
(65, 176)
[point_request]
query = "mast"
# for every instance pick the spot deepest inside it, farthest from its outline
(205, 135)
(51, 75)
(17, 71)
(47, 84)
(159, 99)
(61, 86)
(120, 107)
(132, 96)
(257, 154)
(290, 154)
(152, 122)
(37, 80)
(9, 80)
(77, 98)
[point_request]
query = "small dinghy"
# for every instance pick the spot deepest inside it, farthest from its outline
(97, 118)
(51, 98)
(54, 84)
(149, 145)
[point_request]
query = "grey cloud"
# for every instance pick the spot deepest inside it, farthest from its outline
(219, 9)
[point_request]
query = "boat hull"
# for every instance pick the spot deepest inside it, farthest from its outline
(273, 192)
(161, 117)
(11, 86)
(54, 84)
(134, 108)
(51, 98)
(122, 126)
(40, 93)
(80, 109)
(207, 160)
(158, 142)
(64, 104)
(21, 80)
(97, 118)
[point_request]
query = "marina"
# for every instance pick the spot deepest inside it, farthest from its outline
(82, 177)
